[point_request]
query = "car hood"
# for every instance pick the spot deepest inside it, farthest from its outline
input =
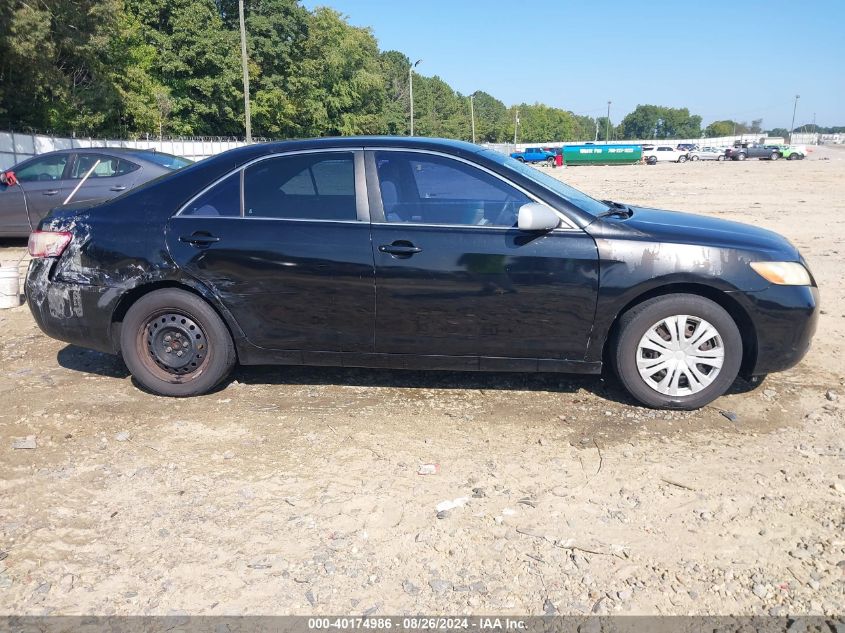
(688, 228)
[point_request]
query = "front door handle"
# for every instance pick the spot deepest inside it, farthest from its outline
(400, 249)
(199, 239)
(51, 192)
(118, 188)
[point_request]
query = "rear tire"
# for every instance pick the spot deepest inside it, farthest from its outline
(740, 156)
(175, 344)
(694, 158)
(774, 156)
(697, 372)
(651, 160)
(682, 158)
(721, 159)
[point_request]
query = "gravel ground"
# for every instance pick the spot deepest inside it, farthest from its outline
(297, 490)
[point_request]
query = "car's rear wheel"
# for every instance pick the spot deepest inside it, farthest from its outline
(175, 344)
(740, 156)
(774, 156)
(694, 157)
(651, 160)
(682, 158)
(720, 158)
(677, 351)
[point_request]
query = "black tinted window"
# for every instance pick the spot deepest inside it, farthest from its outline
(430, 189)
(224, 199)
(302, 186)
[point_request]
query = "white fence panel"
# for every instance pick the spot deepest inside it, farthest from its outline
(16, 146)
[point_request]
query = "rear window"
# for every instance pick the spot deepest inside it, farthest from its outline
(168, 161)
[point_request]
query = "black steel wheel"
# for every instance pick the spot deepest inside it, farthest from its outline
(175, 343)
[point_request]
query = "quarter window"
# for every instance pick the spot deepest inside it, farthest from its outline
(430, 189)
(223, 199)
(318, 186)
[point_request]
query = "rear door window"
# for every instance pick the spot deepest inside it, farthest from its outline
(222, 200)
(318, 186)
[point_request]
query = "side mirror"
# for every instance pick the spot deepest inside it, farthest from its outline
(537, 217)
(8, 178)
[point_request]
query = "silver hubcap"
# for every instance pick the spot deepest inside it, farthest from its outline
(680, 355)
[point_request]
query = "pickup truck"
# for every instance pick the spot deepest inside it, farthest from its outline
(534, 155)
(752, 150)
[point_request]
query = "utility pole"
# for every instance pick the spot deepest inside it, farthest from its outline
(595, 140)
(247, 117)
(411, 90)
(515, 127)
(792, 127)
(472, 115)
(607, 124)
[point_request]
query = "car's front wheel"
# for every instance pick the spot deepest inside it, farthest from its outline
(720, 158)
(175, 344)
(693, 157)
(677, 351)
(682, 158)
(774, 156)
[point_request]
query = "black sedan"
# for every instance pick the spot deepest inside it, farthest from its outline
(415, 253)
(31, 188)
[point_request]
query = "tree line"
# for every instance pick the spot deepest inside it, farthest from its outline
(132, 68)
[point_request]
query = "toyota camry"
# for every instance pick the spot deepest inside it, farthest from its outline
(420, 254)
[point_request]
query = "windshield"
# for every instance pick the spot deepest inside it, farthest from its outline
(578, 198)
(165, 160)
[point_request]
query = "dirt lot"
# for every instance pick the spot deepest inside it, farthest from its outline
(296, 490)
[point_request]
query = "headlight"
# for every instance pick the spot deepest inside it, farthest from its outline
(783, 273)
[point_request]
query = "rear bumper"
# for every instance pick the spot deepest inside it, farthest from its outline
(785, 320)
(74, 313)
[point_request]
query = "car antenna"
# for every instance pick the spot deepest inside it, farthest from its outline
(82, 182)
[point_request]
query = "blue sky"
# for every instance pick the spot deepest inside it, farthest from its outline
(742, 60)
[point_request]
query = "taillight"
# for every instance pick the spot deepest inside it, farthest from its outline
(48, 243)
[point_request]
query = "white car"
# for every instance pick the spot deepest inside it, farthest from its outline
(707, 153)
(663, 154)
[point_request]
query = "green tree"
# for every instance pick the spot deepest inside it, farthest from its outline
(656, 122)
(198, 60)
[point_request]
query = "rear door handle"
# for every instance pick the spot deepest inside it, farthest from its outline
(198, 239)
(118, 188)
(51, 192)
(400, 249)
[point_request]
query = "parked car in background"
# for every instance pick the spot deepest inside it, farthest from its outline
(663, 154)
(535, 155)
(45, 181)
(415, 254)
(707, 153)
(752, 150)
(686, 147)
(791, 153)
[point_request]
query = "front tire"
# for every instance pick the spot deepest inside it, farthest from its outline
(774, 156)
(740, 156)
(682, 158)
(694, 158)
(677, 351)
(175, 344)
(721, 159)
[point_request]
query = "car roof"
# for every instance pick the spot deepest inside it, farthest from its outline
(135, 153)
(247, 153)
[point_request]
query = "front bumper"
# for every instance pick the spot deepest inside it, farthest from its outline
(75, 313)
(785, 320)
